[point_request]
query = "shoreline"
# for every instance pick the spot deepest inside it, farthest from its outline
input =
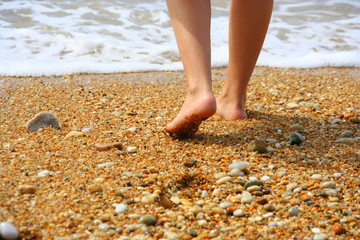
(307, 190)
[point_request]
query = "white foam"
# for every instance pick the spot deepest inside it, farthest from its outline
(57, 38)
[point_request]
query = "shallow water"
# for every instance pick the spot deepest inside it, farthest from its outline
(56, 37)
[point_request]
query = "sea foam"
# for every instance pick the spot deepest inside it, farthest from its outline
(68, 37)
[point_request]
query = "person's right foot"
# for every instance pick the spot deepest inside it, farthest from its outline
(193, 112)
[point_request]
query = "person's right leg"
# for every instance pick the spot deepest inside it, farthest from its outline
(191, 24)
(249, 21)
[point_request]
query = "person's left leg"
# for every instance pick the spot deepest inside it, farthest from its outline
(249, 21)
(191, 23)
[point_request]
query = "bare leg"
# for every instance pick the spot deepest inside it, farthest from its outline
(249, 21)
(191, 23)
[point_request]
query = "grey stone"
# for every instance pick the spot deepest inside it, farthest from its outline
(148, 220)
(347, 134)
(293, 211)
(257, 146)
(253, 182)
(192, 232)
(295, 139)
(41, 120)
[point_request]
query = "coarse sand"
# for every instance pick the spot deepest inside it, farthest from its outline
(152, 186)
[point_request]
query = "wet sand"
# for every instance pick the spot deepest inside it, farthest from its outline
(177, 181)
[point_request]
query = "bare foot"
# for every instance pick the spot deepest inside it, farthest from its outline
(193, 112)
(230, 109)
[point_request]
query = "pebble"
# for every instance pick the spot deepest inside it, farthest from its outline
(148, 220)
(87, 129)
(225, 204)
(8, 231)
(175, 199)
(247, 198)
(223, 180)
(277, 145)
(41, 120)
(73, 134)
(321, 193)
(165, 201)
(292, 105)
(293, 211)
(172, 236)
(267, 215)
(354, 120)
(202, 223)
(337, 228)
(265, 178)
(104, 227)
(337, 175)
(107, 164)
(347, 134)
(336, 121)
(190, 163)
(95, 188)
(239, 213)
(253, 182)
(272, 224)
(321, 236)
(120, 208)
(44, 173)
(328, 184)
(147, 199)
(132, 149)
(103, 146)
(253, 188)
(27, 189)
(316, 176)
(192, 232)
(239, 165)
(236, 172)
(295, 139)
(257, 146)
(204, 194)
(345, 140)
(269, 207)
(291, 186)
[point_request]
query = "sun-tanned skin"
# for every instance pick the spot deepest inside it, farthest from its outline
(248, 24)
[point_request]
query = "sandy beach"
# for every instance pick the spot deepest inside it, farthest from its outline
(58, 184)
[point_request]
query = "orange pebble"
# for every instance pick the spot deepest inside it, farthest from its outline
(337, 228)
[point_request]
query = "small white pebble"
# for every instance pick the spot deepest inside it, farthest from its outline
(316, 176)
(337, 175)
(277, 145)
(225, 204)
(132, 149)
(252, 178)
(120, 208)
(103, 227)
(133, 129)
(204, 194)
(236, 172)
(8, 231)
(265, 178)
(223, 180)
(202, 223)
(43, 173)
(267, 215)
(316, 230)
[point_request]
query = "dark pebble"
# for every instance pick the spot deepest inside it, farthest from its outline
(295, 139)
(253, 182)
